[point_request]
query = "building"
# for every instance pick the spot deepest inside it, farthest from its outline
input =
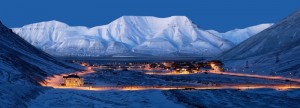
(216, 65)
(73, 81)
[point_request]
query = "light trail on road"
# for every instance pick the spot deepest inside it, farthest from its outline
(258, 76)
(279, 87)
(231, 74)
(56, 80)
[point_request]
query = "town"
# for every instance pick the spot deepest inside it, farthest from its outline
(166, 75)
(159, 68)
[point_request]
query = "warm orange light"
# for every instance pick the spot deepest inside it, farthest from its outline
(257, 76)
(56, 80)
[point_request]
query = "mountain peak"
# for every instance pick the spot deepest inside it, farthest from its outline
(153, 22)
(1, 25)
(51, 23)
(238, 35)
(153, 19)
(4, 28)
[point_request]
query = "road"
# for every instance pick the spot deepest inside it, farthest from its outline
(257, 76)
(231, 74)
(206, 87)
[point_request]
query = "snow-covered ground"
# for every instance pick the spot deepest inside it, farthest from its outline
(288, 65)
(229, 98)
(18, 95)
(76, 98)
(63, 98)
(138, 78)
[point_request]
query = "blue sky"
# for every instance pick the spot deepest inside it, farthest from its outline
(221, 15)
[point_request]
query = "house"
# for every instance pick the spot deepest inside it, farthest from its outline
(216, 65)
(73, 80)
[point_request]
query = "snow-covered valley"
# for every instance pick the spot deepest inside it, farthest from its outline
(261, 65)
(154, 98)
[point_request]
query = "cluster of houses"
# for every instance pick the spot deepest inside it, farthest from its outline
(178, 67)
(189, 67)
(208, 66)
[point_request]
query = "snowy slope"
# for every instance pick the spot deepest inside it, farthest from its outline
(21, 67)
(64, 98)
(174, 35)
(275, 50)
(239, 35)
(230, 98)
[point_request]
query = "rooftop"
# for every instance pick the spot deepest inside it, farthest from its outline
(71, 76)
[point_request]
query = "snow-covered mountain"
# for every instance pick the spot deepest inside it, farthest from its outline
(275, 50)
(21, 67)
(128, 35)
(239, 35)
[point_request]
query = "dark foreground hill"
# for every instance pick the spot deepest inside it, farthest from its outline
(275, 50)
(22, 66)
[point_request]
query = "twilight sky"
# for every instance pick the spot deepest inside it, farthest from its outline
(221, 15)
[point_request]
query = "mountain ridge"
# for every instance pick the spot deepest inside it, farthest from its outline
(239, 35)
(170, 36)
